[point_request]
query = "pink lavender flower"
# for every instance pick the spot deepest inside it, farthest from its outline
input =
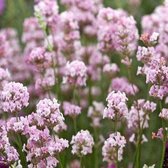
(139, 113)
(158, 134)
(87, 11)
(8, 152)
(4, 76)
(111, 68)
(157, 22)
(155, 69)
(117, 31)
(14, 97)
(68, 41)
(164, 114)
(47, 11)
(116, 105)
(95, 59)
(113, 148)
(145, 54)
(2, 6)
(75, 164)
(158, 91)
(82, 143)
(41, 147)
(17, 124)
(46, 81)
(75, 73)
(40, 58)
(71, 109)
(48, 113)
(32, 31)
(121, 84)
(95, 112)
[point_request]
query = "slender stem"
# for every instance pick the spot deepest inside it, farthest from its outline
(164, 140)
(96, 148)
(138, 159)
(163, 153)
(116, 166)
(115, 124)
(140, 130)
(75, 124)
(59, 158)
(102, 84)
(81, 164)
(90, 91)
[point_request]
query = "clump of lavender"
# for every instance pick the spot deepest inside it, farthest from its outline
(112, 150)
(116, 105)
(14, 97)
(82, 143)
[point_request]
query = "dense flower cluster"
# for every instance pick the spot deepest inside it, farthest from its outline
(75, 73)
(82, 143)
(116, 105)
(155, 69)
(9, 153)
(14, 97)
(47, 11)
(41, 148)
(157, 22)
(122, 85)
(139, 113)
(71, 109)
(113, 148)
(117, 31)
(48, 113)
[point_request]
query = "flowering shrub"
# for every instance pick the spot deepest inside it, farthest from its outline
(84, 88)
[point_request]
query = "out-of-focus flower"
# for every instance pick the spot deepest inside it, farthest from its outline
(117, 31)
(158, 134)
(121, 84)
(95, 112)
(75, 73)
(71, 109)
(164, 114)
(47, 13)
(75, 164)
(2, 6)
(40, 58)
(111, 69)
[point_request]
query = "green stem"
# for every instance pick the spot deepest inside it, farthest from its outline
(81, 164)
(163, 153)
(59, 158)
(140, 130)
(115, 124)
(90, 91)
(138, 156)
(164, 140)
(75, 125)
(96, 148)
